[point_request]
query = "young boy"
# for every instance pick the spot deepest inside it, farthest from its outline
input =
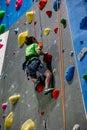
(33, 63)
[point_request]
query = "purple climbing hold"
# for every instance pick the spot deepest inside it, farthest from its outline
(69, 73)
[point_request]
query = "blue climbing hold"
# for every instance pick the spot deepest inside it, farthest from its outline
(56, 4)
(69, 73)
(83, 23)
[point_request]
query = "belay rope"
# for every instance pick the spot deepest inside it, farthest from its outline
(61, 58)
(41, 35)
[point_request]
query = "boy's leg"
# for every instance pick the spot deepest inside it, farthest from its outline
(47, 73)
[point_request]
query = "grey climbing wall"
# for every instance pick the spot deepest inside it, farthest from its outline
(31, 104)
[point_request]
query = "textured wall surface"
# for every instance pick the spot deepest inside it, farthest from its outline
(31, 104)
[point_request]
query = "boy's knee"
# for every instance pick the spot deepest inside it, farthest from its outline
(48, 74)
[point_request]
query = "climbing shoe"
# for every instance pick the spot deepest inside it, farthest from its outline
(47, 90)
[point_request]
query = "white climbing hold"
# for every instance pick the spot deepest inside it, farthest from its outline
(82, 53)
(76, 127)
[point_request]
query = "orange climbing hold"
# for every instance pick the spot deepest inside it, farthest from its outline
(40, 45)
(49, 13)
(42, 4)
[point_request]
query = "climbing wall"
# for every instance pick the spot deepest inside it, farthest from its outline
(79, 31)
(44, 111)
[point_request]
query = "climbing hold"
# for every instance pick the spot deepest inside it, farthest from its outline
(13, 99)
(4, 76)
(49, 13)
(82, 53)
(42, 113)
(63, 50)
(7, 2)
(40, 45)
(69, 73)
(1, 45)
(4, 106)
(35, 22)
(16, 30)
(56, 5)
(47, 31)
(30, 16)
(28, 125)
(2, 28)
(83, 23)
(9, 120)
(85, 77)
(21, 38)
(55, 93)
(76, 127)
(18, 4)
(2, 13)
(54, 70)
(63, 21)
(47, 58)
(81, 42)
(71, 53)
(3, 116)
(56, 29)
(42, 4)
(39, 88)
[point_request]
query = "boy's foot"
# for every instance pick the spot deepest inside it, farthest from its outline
(47, 90)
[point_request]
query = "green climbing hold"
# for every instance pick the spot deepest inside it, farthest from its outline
(63, 21)
(2, 28)
(2, 13)
(85, 77)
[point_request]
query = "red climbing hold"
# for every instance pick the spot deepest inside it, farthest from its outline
(47, 58)
(55, 30)
(39, 88)
(1, 45)
(55, 93)
(4, 106)
(18, 4)
(49, 13)
(35, 22)
(42, 113)
(42, 4)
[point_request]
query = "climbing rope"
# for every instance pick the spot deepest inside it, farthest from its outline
(41, 25)
(61, 59)
(34, 25)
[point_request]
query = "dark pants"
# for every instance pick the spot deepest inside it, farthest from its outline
(34, 67)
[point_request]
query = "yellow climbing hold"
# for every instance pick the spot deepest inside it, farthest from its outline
(9, 120)
(13, 99)
(28, 125)
(47, 31)
(21, 38)
(30, 16)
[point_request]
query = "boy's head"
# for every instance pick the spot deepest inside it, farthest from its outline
(30, 40)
